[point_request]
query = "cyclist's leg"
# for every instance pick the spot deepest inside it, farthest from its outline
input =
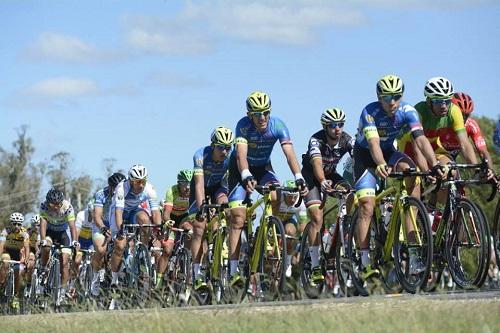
(4, 268)
(64, 239)
(365, 191)
(290, 230)
(196, 239)
(236, 224)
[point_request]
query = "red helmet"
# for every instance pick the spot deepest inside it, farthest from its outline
(464, 102)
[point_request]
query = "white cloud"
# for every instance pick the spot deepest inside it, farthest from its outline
(70, 49)
(166, 35)
(62, 87)
(169, 79)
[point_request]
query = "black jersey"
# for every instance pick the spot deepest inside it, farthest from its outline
(319, 148)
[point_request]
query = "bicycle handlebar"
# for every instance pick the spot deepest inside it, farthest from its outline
(334, 193)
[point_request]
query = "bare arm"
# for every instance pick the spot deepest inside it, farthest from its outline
(156, 216)
(241, 157)
(43, 228)
(166, 212)
(73, 230)
(199, 188)
(291, 158)
(466, 148)
(119, 218)
(99, 222)
(376, 151)
(424, 147)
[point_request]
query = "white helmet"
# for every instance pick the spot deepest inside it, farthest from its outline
(332, 115)
(17, 217)
(35, 220)
(138, 172)
(438, 87)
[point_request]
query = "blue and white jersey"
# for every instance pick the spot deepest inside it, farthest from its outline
(126, 200)
(260, 144)
(375, 122)
(496, 137)
(213, 172)
(102, 198)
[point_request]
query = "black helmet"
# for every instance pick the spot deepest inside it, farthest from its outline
(115, 178)
(54, 196)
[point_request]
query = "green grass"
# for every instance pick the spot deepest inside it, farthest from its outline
(368, 314)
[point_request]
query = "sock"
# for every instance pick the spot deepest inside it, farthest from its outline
(365, 259)
(196, 271)
(159, 278)
(314, 253)
(114, 277)
(233, 267)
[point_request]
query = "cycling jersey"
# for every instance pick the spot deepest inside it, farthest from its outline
(496, 137)
(260, 144)
(375, 122)
(126, 200)
(84, 223)
(173, 200)
(213, 172)
(103, 198)
(291, 214)
(57, 220)
(440, 129)
(451, 144)
(319, 148)
(34, 238)
(14, 240)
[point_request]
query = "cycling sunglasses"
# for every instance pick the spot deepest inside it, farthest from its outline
(223, 147)
(441, 101)
(19, 224)
(260, 114)
(389, 98)
(335, 125)
(139, 181)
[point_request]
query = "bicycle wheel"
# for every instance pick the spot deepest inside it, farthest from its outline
(354, 253)
(271, 276)
(55, 282)
(466, 244)
(312, 290)
(343, 264)
(481, 279)
(496, 233)
(144, 272)
(220, 270)
(181, 277)
(414, 210)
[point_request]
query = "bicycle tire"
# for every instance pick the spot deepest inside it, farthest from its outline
(305, 268)
(342, 264)
(496, 232)
(55, 281)
(465, 280)
(413, 283)
(220, 278)
(181, 275)
(481, 279)
(272, 268)
(143, 270)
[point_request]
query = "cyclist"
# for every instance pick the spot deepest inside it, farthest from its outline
(57, 225)
(34, 234)
(443, 124)
(250, 164)
(210, 179)
(319, 163)
(83, 223)
(13, 239)
(175, 208)
(101, 228)
(496, 137)
(290, 216)
(134, 202)
(374, 155)
(466, 105)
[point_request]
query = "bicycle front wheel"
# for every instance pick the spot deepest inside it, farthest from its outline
(467, 245)
(412, 245)
(312, 290)
(270, 279)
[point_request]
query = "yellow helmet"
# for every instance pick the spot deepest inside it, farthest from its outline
(390, 85)
(222, 136)
(258, 101)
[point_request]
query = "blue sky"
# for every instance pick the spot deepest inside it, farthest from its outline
(147, 81)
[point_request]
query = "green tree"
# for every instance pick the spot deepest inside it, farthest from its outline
(20, 177)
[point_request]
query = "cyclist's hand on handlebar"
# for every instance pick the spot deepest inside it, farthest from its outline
(301, 185)
(249, 184)
(75, 245)
(439, 171)
(326, 185)
(168, 224)
(44, 243)
(383, 170)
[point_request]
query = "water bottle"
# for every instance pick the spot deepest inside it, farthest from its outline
(437, 218)
(210, 253)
